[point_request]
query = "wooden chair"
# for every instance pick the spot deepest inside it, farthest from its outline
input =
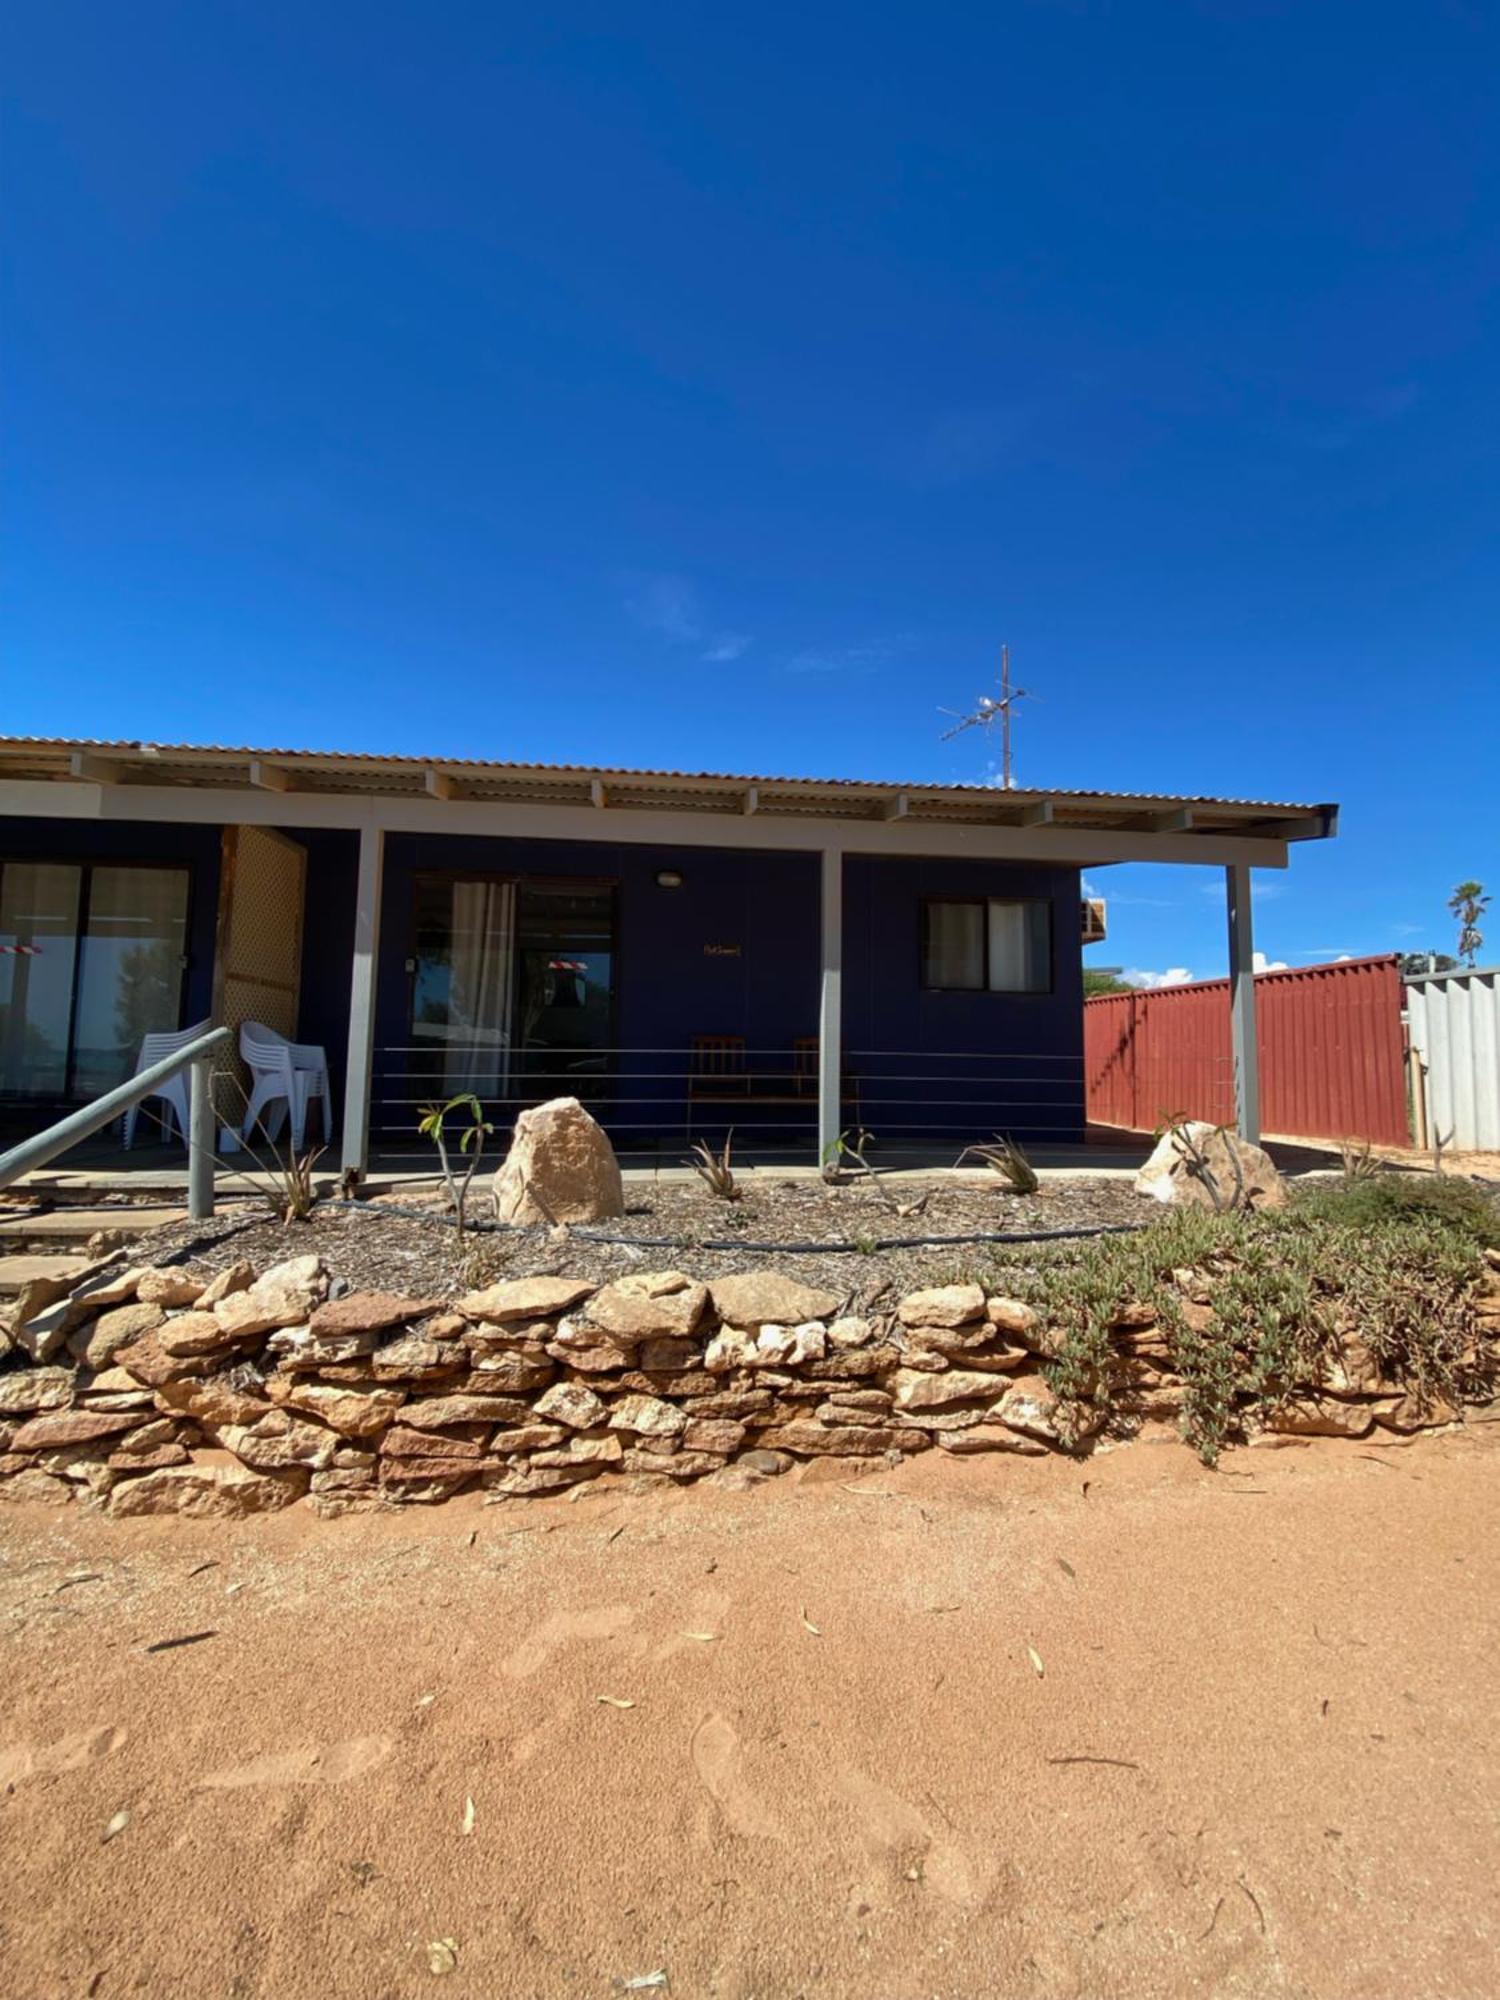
(718, 1068)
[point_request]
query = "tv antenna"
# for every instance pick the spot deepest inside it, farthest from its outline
(990, 710)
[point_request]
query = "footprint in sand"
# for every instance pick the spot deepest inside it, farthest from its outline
(718, 1760)
(311, 1764)
(21, 1761)
(605, 1621)
(524, 1747)
(895, 1835)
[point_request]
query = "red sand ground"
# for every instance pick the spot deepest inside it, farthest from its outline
(1296, 1660)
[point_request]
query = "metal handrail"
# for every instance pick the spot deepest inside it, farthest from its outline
(44, 1147)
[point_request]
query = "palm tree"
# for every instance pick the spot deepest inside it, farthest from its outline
(1469, 903)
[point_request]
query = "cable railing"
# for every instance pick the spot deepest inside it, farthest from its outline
(667, 1096)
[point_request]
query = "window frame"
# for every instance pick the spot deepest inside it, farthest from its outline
(86, 863)
(519, 878)
(982, 903)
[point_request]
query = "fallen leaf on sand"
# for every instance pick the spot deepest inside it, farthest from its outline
(1066, 1567)
(425, 1700)
(116, 1826)
(442, 1955)
(187, 1639)
(614, 1701)
(1036, 1661)
(644, 1982)
(816, 1630)
(468, 1815)
(704, 1636)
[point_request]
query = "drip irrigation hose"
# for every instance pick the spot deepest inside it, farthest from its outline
(589, 1235)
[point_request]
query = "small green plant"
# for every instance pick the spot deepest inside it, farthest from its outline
(433, 1126)
(715, 1169)
(1358, 1162)
(846, 1155)
(285, 1180)
(1390, 1262)
(1373, 1203)
(1007, 1158)
(295, 1197)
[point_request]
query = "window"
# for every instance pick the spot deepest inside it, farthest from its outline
(91, 959)
(989, 945)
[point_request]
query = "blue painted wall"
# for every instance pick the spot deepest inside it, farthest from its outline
(959, 1066)
(931, 1066)
(668, 987)
(1022, 1055)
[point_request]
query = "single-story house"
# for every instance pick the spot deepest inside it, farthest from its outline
(687, 952)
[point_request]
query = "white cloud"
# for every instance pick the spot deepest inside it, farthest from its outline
(861, 659)
(1264, 964)
(728, 646)
(668, 605)
(1175, 975)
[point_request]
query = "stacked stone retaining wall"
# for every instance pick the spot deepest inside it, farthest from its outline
(153, 1390)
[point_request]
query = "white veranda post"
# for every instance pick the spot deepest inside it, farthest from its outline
(1242, 1003)
(359, 1081)
(830, 1010)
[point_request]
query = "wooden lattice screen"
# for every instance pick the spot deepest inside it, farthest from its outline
(258, 954)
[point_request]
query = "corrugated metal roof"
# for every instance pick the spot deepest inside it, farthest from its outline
(932, 795)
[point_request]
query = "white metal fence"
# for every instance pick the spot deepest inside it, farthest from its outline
(1454, 1022)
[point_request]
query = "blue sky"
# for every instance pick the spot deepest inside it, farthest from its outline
(718, 387)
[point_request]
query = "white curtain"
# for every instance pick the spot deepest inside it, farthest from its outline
(955, 946)
(481, 984)
(1020, 947)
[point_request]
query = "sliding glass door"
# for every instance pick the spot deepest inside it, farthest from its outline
(512, 987)
(566, 988)
(92, 958)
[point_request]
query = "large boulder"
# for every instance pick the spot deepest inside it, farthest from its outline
(560, 1168)
(1171, 1174)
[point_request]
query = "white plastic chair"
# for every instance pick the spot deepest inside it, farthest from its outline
(284, 1075)
(174, 1092)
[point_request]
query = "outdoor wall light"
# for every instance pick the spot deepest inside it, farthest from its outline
(668, 878)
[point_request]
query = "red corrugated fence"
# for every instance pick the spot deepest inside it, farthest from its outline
(1332, 1053)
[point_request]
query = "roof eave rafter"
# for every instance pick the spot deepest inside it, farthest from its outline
(995, 839)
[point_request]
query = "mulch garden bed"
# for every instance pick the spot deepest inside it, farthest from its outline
(823, 1236)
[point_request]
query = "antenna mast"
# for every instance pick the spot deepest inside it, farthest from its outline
(1005, 771)
(988, 711)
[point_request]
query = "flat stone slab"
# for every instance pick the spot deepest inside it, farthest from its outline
(77, 1225)
(16, 1273)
